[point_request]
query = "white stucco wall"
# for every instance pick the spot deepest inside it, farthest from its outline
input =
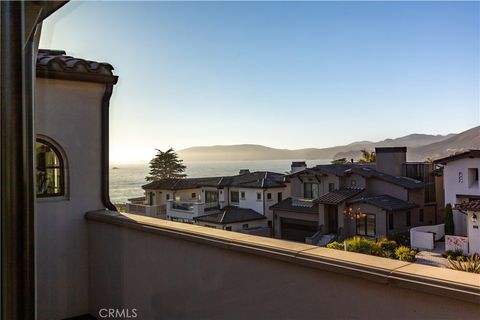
(473, 232)
(69, 113)
(454, 187)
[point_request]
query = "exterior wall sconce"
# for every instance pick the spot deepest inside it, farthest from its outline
(474, 218)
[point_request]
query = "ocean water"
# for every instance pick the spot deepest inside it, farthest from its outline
(126, 181)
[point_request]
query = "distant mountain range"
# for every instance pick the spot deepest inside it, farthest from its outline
(420, 147)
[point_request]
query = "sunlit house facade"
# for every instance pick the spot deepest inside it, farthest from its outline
(332, 202)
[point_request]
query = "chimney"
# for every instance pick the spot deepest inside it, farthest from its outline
(390, 160)
(298, 166)
(244, 171)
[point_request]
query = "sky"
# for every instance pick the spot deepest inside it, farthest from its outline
(281, 74)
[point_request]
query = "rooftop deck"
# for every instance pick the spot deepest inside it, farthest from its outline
(174, 270)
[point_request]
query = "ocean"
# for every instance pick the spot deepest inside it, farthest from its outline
(126, 180)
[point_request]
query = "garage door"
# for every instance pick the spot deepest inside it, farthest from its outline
(297, 230)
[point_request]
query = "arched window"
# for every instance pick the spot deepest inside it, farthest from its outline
(50, 170)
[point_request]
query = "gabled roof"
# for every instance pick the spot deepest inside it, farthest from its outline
(57, 65)
(364, 170)
(294, 205)
(258, 179)
(231, 214)
(405, 182)
(338, 196)
(385, 202)
(474, 153)
(179, 184)
(469, 206)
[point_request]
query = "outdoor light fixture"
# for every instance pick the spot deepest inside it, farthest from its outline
(474, 217)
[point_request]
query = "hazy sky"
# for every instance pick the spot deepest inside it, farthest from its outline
(281, 74)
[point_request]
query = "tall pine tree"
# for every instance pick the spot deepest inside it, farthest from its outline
(166, 165)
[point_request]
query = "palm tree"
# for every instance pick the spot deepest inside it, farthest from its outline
(367, 156)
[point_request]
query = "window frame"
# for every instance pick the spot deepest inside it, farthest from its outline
(238, 197)
(365, 220)
(60, 154)
(391, 221)
(312, 195)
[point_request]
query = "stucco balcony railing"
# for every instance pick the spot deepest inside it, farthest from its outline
(156, 211)
(189, 209)
(268, 278)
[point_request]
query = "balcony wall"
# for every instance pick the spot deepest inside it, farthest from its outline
(168, 270)
(155, 211)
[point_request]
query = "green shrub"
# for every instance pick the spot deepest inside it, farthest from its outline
(449, 226)
(450, 254)
(360, 245)
(384, 248)
(469, 264)
(405, 254)
(401, 238)
(336, 245)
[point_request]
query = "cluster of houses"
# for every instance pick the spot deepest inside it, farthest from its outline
(325, 203)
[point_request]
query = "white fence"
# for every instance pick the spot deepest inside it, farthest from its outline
(424, 237)
(455, 243)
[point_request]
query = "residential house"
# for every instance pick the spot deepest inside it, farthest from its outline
(342, 200)
(461, 183)
(229, 202)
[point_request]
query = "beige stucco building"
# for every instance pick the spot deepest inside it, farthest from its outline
(72, 100)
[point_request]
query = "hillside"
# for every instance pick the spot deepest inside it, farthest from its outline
(469, 139)
(421, 146)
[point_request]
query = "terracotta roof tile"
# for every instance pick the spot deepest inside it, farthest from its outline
(231, 214)
(56, 64)
(339, 196)
(385, 201)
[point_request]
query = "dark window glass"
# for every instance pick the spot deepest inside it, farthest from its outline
(234, 196)
(421, 215)
(168, 196)
(279, 196)
(194, 195)
(331, 187)
(228, 228)
(408, 217)
(151, 196)
(366, 224)
(310, 190)
(242, 195)
(245, 226)
(50, 170)
(269, 196)
(390, 221)
(259, 196)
